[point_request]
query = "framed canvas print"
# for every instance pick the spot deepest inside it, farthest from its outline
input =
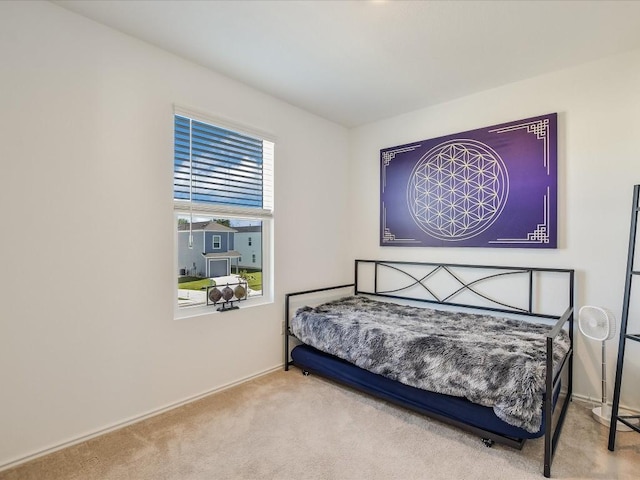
(490, 187)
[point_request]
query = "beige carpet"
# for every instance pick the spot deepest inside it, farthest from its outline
(287, 426)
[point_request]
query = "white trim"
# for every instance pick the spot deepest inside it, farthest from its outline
(219, 121)
(198, 311)
(187, 312)
(596, 402)
(132, 420)
(182, 207)
(213, 241)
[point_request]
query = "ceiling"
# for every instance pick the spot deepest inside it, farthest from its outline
(355, 62)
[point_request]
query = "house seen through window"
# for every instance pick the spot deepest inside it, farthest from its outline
(223, 206)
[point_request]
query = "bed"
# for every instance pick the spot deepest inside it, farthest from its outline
(484, 348)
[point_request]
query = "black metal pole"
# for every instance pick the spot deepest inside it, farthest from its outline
(623, 320)
(571, 305)
(530, 291)
(286, 333)
(548, 411)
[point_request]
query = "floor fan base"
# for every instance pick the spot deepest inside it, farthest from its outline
(604, 417)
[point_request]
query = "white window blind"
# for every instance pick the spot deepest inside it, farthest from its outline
(218, 167)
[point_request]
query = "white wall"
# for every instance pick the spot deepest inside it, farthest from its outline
(87, 336)
(599, 162)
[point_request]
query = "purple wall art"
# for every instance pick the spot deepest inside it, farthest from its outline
(490, 187)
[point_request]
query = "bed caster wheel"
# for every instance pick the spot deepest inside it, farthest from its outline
(488, 442)
(305, 373)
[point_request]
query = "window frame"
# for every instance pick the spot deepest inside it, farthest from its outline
(216, 240)
(265, 215)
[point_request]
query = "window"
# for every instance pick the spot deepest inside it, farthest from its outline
(223, 189)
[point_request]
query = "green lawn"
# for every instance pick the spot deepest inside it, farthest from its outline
(201, 284)
(254, 280)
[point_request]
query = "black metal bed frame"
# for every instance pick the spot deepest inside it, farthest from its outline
(456, 273)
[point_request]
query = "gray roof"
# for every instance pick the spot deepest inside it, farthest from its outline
(209, 226)
(249, 228)
(229, 254)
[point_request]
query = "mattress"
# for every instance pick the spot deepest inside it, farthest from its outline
(446, 407)
(490, 361)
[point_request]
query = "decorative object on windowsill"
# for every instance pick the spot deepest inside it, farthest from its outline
(214, 295)
(225, 297)
(240, 291)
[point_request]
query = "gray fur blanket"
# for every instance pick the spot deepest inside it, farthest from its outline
(495, 362)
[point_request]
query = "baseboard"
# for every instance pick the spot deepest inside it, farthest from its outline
(132, 420)
(596, 402)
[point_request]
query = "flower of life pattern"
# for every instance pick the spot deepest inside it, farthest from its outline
(458, 189)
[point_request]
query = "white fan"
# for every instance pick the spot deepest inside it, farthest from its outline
(598, 324)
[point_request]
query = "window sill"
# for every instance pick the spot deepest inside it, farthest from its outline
(199, 311)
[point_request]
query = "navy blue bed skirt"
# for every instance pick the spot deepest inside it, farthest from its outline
(455, 409)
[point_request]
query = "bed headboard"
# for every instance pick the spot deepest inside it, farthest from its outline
(534, 291)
